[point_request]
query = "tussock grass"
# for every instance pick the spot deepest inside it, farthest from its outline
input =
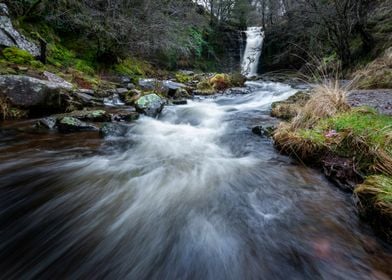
(327, 100)
(375, 202)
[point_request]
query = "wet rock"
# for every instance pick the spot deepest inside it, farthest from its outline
(90, 115)
(126, 116)
(71, 124)
(237, 90)
(47, 123)
(113, 130)
(181, 93)
(10, 37)
(264, 131)
(87, 100)
(150, 105)
(180, 102)
(87, 91)
(149, 84)
(30, 93)
(122, 91)
(130, 86)
(172, 88)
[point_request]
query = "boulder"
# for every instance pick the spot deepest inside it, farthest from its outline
(58, 80)
(264, 131)
(171, 88)
(47, 123)
(122, 91)
(90, 92)
(10, 37)
(149, 84)
(30, 93)
(125, 116)
(150, 105)
(88, 100)
(114, 130)
(71, 124)
(89, 115)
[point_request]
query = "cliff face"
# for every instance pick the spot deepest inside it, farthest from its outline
(228, 42)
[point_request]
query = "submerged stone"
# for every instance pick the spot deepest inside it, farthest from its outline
(114, 130)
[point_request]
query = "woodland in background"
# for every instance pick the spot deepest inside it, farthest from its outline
(205, 34)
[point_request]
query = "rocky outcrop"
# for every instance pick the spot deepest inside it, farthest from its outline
(10, 37)
(31, 93)
(150, 105)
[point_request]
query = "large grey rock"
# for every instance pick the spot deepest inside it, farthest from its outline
(58, 80)
(10, 37)
(88, 115)
(27, 92)
(150, 105)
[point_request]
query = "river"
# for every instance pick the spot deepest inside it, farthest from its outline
(191, 195)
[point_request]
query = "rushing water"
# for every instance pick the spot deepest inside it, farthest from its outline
(193, 195)
(251, 57)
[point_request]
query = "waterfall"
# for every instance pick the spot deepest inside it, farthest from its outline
(254, 44)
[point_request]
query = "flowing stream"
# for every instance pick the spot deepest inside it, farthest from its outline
(253, 49)
(191, 195)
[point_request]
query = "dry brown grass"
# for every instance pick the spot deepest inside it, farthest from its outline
(292, 142)
(327, 100)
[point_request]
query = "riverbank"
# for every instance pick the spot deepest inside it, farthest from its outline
(347, 135)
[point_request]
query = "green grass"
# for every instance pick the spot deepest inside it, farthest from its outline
(361, 134)
(364, 123)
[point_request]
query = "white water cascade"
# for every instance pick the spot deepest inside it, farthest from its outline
(254, 44)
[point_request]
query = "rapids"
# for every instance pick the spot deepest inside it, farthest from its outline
(191, 195)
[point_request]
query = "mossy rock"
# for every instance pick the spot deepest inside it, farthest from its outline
(86, 115)
(71, 124)
(184, 78)
(290, 108)
(237, 80)
(150, 105)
